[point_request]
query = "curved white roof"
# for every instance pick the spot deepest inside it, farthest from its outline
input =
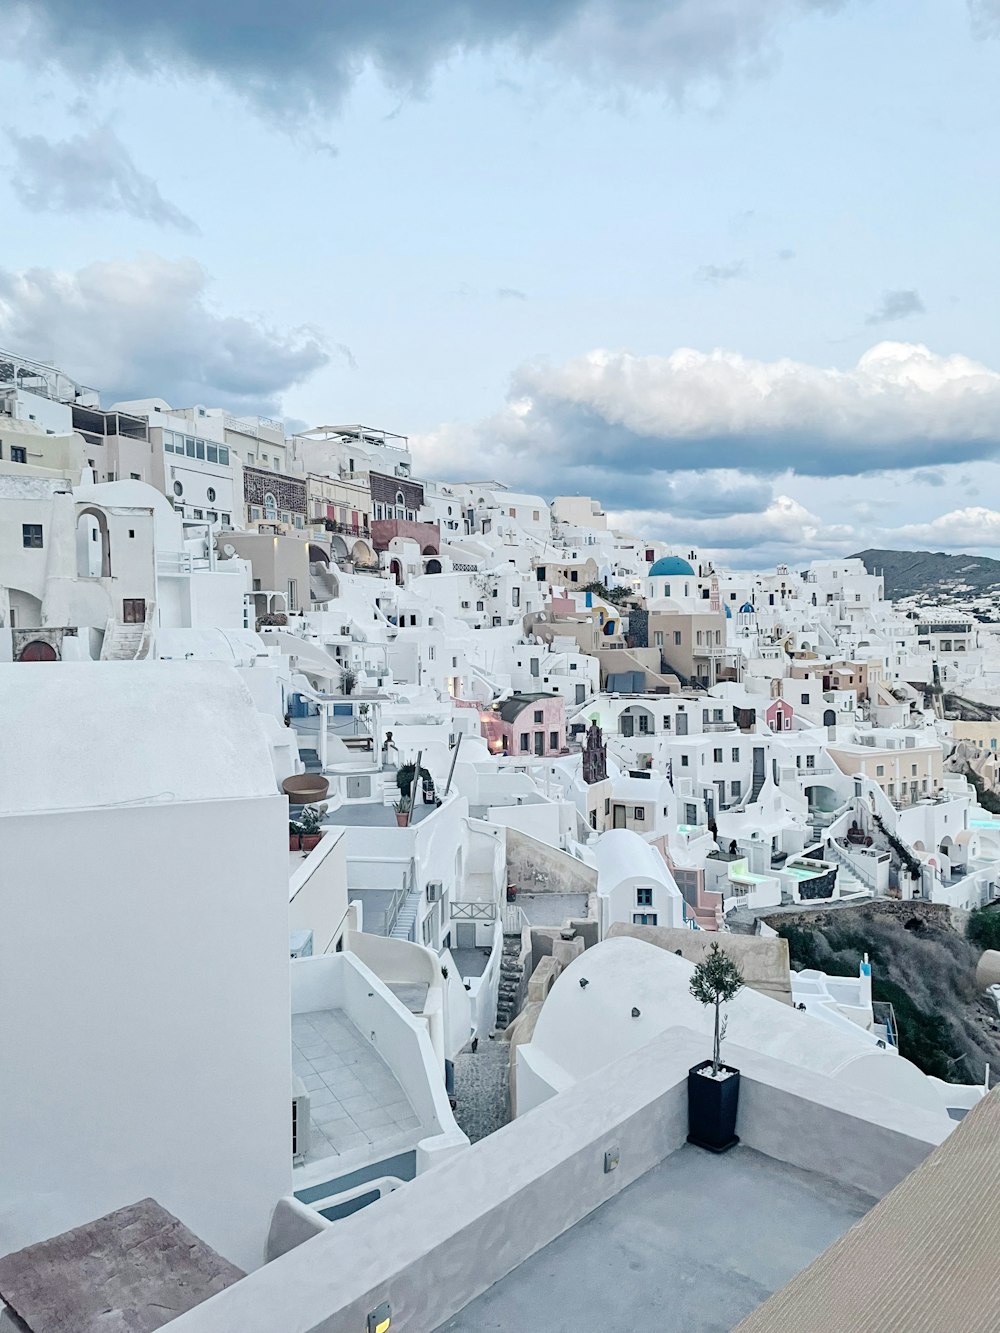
(79, 735)
(620, 853)
(583, 1029)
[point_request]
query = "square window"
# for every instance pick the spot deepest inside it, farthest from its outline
(539, 715)
(684, 761)
(18, 454)
(644, 897)
(640, 813)
(525, 745)
(716, 756)
(31, 535)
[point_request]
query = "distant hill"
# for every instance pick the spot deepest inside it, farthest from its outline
(932, 573)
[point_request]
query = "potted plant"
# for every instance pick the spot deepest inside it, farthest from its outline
(294, 835)
(402, 809)
(310, 826)
(714, 1088)
(405, 775)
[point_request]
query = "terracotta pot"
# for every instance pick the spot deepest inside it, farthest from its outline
(310, 840)
(294, 842)
(401, 818)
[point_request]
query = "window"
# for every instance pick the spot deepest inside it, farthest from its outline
(699, 636)
(639, 813)
(210, 494)
(213, 516)
(31, 535)
(198, 513)
(643, 724)
(189, 446)
(811, 761)
(255, 513)
(480, 606)
(880, 770)
(691, 815)
(297, 520)
(286, 516)
(223, 456)
(18, 454)
(607, 805)
(178, 488)
(515, 596)
(227, 520)
(539, 715)
(644, 897)
(803, 698)
(716, 756)
(525, 743)
(135, 476)
(736, 754)
(293, 595)
(736, 790)
(677, 638)
(199, 449)
(431, 652)
(270, 507)
(213, 453)
(131, 532)
(684, 761)
(534, 515)
(913, 770)
(643, 918)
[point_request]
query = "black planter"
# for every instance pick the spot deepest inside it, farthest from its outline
(712, 1107)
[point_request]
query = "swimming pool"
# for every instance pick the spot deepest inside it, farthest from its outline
(803, 872)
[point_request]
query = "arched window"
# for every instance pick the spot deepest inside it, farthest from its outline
(270, 507)
(400, 505)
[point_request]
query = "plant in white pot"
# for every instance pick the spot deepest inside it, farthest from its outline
(713, 1087)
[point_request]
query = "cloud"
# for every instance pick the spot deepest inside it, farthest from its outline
(985, 15)
(722, 272)
(958, 530)
(621, 421)
(896, 305)
(88, 173)
(144, 327)
(511, 294)
(304, 54)
(786, 255)
(929, 477)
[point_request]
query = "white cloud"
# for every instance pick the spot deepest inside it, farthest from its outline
(960, 529)
(144, 327)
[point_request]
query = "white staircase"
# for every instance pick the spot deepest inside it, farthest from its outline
(406, 918)
(126, 643)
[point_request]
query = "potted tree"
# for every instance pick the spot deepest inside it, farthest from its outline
(402, 809)
(714, 1088)
(405, 775)
(310, 826)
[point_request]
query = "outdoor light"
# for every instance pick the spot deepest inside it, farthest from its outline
(584, 983)
(380, 1318)
(635, 1012)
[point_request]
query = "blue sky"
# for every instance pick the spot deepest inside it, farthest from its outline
(402, 216)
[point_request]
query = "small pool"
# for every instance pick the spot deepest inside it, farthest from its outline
(984, 823)
(803, 872)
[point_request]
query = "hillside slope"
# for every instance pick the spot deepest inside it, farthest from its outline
(931, 573)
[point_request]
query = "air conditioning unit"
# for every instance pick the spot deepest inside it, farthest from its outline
(433, 890)
(301, 1122)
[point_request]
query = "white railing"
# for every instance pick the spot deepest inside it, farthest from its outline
(514, 919)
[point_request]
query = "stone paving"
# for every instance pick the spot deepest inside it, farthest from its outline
(482, 1089)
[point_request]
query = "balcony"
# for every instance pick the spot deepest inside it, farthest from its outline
(345, 529)
(719, 726)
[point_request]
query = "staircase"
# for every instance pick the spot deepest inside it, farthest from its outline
(511, 981)
(758, 786)
(126, 643)
(406, 917)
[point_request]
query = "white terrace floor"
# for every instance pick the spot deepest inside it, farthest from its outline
(356, 1101)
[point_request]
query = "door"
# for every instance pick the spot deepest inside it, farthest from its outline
(758, 764)
(618, 817)
(134, 610)
(38, 651)
(465, 934)
(539, 742)
(682, 724)
(628, 725)
(581, 693)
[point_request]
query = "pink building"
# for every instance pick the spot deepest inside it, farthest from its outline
(780, 715)
(533, 724)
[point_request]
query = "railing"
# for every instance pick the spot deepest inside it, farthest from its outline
(883, 1013)
(719, 726)
(348, 529)
(514, 919)
(473, 911)
(395, 907)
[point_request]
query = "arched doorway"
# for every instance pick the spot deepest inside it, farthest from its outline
(821, 798)
(433, 567)
(396, 570)
(38, 651)
(93, 544)
(829, 718)
(317, 553)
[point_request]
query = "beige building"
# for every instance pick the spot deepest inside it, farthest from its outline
(906, 767)
(691, 644)
(280, 571)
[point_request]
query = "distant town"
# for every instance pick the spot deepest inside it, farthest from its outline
(562, 801)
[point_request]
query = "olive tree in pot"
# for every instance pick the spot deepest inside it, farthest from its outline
(714, 1088)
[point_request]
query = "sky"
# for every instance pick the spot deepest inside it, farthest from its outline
(728, 266)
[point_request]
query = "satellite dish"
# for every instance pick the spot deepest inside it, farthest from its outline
(229, 550)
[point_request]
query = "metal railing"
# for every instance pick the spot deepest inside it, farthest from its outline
(474, 911)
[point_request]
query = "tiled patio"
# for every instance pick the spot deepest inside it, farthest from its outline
(355, 1099)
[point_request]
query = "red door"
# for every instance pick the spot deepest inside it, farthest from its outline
(37, 651)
